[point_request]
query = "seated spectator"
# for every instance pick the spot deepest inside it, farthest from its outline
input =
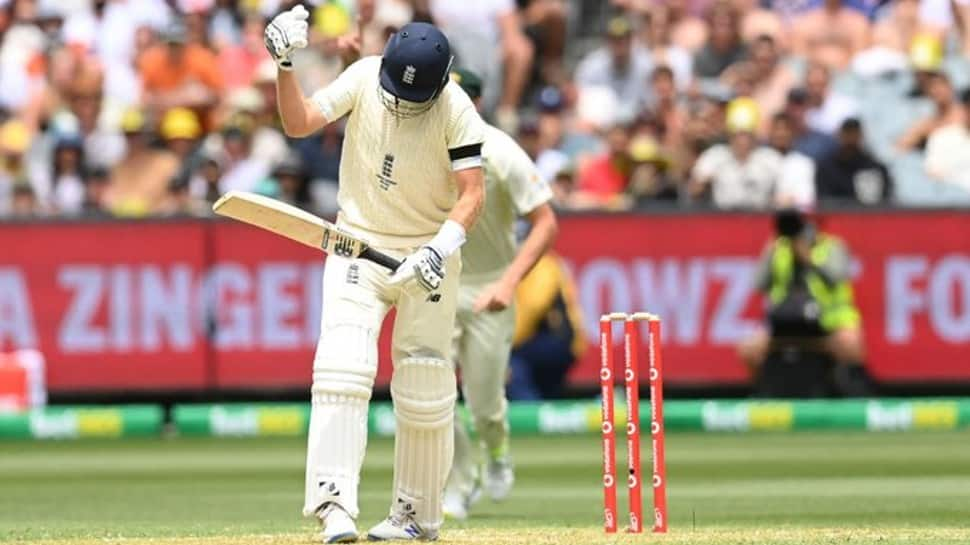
(808, 141)
(650, 178)
(140, 180)
(487, 38)
(654, 36)
(603, 178)
(204, 183)
(892, 34)
(546, 26)
(548, 161)
(770, 80)
(830, 34)
(240, 61)
(67, 174)
(686, 29)
(241, 170)
(15, 139)
(806, 277)
(796, 184)
(758, 20)
(741, 173)
(827, 109)
(620, 65)
(947, 159)
(563, 188)
(850, 172)
(177, 73)
(288, 182)
(724, 46)
(667, 107)
(23, 201)
(181, 131)
(181, 202)
(548, 335)
(96, 182)
(947, 111)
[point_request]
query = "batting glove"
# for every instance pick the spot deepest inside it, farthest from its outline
(286, 33)
(426, 266)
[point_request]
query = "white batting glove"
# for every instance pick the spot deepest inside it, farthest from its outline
(286, 33)
(426, 266)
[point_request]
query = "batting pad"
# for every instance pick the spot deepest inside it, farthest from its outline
(424, 392)
(342, 383)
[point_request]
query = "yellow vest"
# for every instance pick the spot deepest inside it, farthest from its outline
(836, 302)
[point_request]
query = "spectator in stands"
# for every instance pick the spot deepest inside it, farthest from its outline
(545, 26)
(947, 159)
(14, 141)
(548, 335)
(742, 173)
(724, 46)
(806, 276)
(140, 179)
(654, 36)
(827, 109)
(850, 173)
(177, 73)
(620, 65)
(830, 34)
(487, 38)
(67, 174)
(667, 107)
(181, 130)
(758, 19)
(686, 29)
(23, 201)
(240, 61)
(241, 170)
(96, 182)
(650, 179)
(796, 183)
(181, 202)
(204, 183)
(768, 80)
(947, 111)
(602, 179)
(288, 182)
(808, 141)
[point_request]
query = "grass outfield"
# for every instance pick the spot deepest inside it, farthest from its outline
(797, 488)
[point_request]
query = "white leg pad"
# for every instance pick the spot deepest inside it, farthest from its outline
(424, 392)
(343, 376)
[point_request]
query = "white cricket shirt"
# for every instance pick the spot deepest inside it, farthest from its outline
(396, 184)
(513, 188)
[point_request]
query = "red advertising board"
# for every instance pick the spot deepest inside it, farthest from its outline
(208, 305)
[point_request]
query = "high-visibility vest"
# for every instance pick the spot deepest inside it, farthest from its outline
(836, 303)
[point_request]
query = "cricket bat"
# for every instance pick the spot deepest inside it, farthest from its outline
(295, 224)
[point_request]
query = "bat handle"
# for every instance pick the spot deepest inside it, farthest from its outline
(380, 258)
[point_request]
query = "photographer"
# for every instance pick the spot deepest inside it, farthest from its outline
(806, 276)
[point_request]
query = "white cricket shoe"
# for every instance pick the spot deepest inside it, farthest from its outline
(338, 527)
(456, 504)
(499, 478)
(400, 525)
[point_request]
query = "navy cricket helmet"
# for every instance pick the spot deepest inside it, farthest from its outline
(414, 68)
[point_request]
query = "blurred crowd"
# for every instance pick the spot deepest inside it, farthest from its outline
(138, 108)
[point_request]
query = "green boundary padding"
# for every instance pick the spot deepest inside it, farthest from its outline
(82, 422)
(571, 417)
(546, 418)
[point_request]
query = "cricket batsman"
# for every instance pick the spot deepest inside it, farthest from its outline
(491, 271)
(411, 184)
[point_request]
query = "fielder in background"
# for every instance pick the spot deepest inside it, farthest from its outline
(491, 272)
(411, 184)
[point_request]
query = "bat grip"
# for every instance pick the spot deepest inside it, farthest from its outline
(380, 258)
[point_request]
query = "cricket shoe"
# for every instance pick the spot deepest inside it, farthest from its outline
(499, 477)
(400, 525)
(457, 504)
(338, 526)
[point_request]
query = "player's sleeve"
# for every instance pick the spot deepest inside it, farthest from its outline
(525, 185)
(465, 134)
(337, 99)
